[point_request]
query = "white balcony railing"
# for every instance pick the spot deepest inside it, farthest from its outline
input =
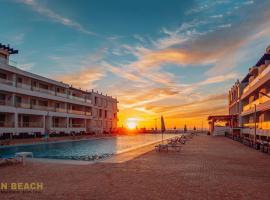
(22, 105)
(78, 112)
(61, 94)
(30, 124)
(255, 80)
(39, 107)
(77, 98)
(6, 81)
(77, 125)
(46, 91)
(60, 125)
(88, 113)
(24, 86)
(6, 124)
(61, 110)
(5, 103)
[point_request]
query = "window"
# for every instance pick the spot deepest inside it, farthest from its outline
(3, 76)
(19, 80)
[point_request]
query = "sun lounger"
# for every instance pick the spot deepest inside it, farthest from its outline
(23, 156)
(8, 161)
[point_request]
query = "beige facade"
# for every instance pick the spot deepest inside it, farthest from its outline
(255, 91)
(31, 104)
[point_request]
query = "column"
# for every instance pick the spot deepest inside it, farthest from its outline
(13, 100)
(14, 80)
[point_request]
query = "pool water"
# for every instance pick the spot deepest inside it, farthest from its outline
(90, 149)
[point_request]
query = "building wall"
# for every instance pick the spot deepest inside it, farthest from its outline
(257, 84)
(32, 102)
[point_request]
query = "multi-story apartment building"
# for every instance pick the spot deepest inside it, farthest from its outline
(256, 92)
(32, 105)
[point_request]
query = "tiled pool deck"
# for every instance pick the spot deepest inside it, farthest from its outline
(206, 168)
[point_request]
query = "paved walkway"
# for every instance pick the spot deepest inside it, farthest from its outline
(206, 168)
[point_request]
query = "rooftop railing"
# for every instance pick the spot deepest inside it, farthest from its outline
(8, 62)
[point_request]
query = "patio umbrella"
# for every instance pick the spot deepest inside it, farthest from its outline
(163, 129)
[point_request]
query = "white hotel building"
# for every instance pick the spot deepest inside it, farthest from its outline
(32, 105)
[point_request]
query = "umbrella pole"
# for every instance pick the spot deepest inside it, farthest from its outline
(162, 136)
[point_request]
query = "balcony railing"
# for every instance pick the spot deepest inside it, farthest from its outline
(5, 103)
(255, 80)
(30, 124)
(78, 112)
(258, 101)
(60, 125)
(88, 100)
(88, 113)
(22, 105)
(61, 110)
(6, 124)
(77, 125)
(61, 94)
(24, 86)
(39, 107)
(6, 81)
(77, 98)
(47, 91)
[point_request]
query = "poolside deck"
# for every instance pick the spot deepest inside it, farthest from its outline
(206, 168)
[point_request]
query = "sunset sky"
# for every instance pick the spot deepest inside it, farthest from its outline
(175, 58)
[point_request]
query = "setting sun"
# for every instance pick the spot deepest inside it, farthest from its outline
(131, 123)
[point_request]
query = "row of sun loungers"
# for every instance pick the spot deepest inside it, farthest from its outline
(9, 161)
(175, 143)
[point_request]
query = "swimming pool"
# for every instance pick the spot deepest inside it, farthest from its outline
(90, 149)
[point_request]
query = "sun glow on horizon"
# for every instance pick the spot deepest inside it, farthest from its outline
(131, 123)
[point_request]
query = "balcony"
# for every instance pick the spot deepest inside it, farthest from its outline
(30, 124)
(6, 124)
(6, 81)
(256, 80)
(258, 101)
(77, 98)
(88, 113)
(77, 112)
(40, 107)
(60, 94)
(64, 110)
(77, 125)
(89, 101)
(42, 90)
(23, 105)
(24, 86)
(60, 125)
(5, 103)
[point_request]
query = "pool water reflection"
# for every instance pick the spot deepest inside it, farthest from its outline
(91, 149)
